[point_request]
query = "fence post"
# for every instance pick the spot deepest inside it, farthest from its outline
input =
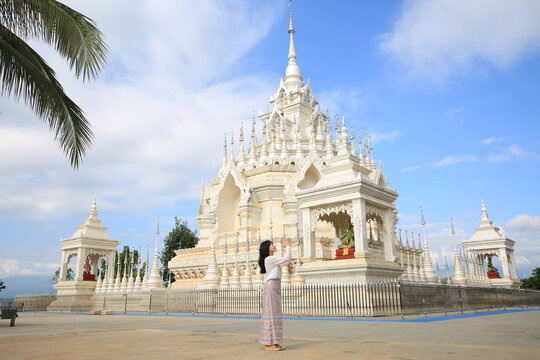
(150, 302)
(460, 299)
(400, 299)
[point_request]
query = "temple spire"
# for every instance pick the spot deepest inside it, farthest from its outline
(459, 276)
(224, 161)
(155, 282)
(428, 265)
(241, 154)
(292, 73)
(292, 50)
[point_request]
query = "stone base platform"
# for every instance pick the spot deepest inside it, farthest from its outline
(349, 270)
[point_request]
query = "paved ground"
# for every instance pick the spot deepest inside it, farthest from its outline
(511, 335)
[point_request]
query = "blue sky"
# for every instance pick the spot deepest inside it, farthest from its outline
(448, 90)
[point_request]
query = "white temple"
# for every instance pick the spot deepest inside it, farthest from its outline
(478, 250)
(91, 244)
(305, 182)
(306, 179)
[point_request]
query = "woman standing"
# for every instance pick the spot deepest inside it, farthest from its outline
(271, 334)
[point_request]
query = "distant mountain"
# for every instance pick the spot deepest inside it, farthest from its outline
(27, 285)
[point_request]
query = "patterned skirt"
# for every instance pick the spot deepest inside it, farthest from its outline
(272, 322)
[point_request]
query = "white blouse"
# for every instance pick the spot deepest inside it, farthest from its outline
(273, 264)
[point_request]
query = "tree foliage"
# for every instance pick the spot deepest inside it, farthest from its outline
(25, 74)
(69, 275)
(532, 282)
(180, 237)
(2, 286)
(126, 252)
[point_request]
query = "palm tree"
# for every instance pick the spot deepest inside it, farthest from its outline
(23, 73)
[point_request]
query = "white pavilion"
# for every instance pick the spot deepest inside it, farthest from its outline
(307, 179)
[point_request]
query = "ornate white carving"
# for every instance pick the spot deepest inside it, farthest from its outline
(373, 212)
(344, 207)
(239, 180)
(291, 186)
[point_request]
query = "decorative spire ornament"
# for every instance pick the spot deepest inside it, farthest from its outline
(292, 73)
(410, 268)
(224, 161)
(284, 155)
(338, 137)
(241, 155)
(406, 240)
(99, 283)
(252, 153)
(299, 152)
(459, 276)
(117, 281)
(353, 145)
(138, 282)
(448, 281)
(431, 276)
(131, 282)
(235, 280)
(155, 281)
(297, 278)
(211, 278)
(286, 277)
(246, 281)
(422, 272)
(263, 159)
(259, 279)
(224, 283)
(146, 268)
(360, 152)
(371, 152)
(329, 145)
(124, 283)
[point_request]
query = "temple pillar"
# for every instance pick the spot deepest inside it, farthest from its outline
(504, 261)
(512, 263)
(110, 265)
(63, 267)
(358, 221)
(81, 259)
(309, 235)
(94, 262)
(389, 243)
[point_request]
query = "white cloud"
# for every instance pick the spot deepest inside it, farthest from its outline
(378, 137)
(342, 101)
(436, 39)
(525, 231)
(411, 168)
(513, 152)
(13, 267)
(456, 159)
(162, 99)
(524, 223)
(492, 140)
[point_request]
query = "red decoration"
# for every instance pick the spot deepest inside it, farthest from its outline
(493, 275)
(340, 256)
(89, 277)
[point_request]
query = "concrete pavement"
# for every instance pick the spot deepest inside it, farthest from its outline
(506, 335)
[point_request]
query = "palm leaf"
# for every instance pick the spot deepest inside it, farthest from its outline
(23, 73)
(73, 35)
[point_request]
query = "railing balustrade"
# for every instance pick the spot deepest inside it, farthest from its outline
(349, 300)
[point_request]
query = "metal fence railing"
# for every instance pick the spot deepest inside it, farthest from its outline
(379, 298)
(429, 298)
(38, 302)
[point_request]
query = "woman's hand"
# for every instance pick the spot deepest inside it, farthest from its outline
(285, 242)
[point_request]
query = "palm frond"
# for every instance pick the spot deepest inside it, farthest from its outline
(23, 73)
(73, 35)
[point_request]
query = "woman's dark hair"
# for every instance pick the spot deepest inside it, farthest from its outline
(264, 252)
